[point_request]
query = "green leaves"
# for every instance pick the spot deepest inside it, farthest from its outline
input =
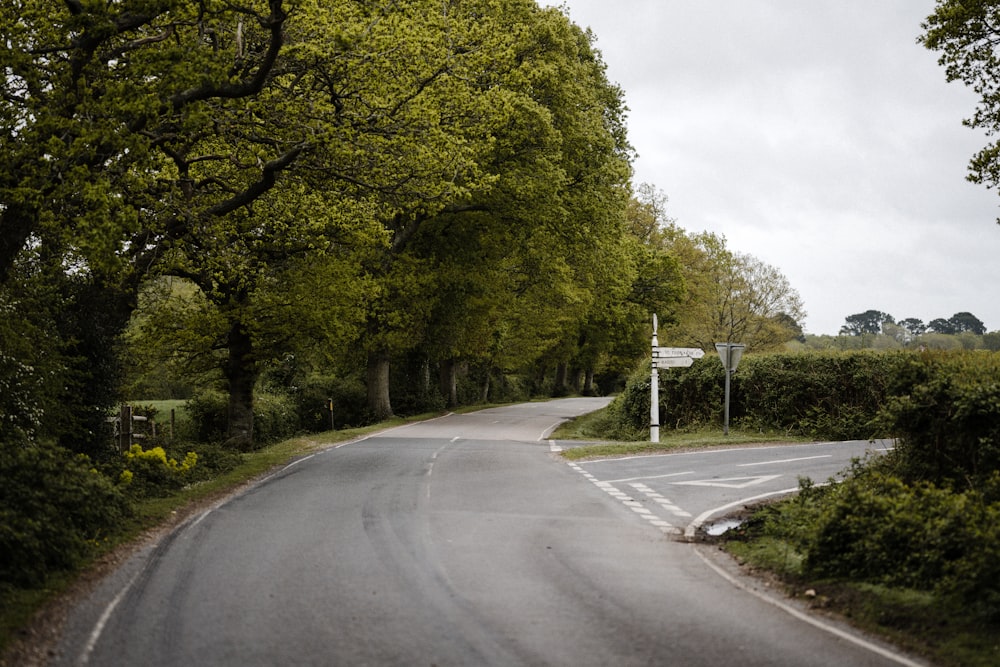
(965, 35)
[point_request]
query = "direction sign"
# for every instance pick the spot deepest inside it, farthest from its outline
(673, 362)
(668, 352)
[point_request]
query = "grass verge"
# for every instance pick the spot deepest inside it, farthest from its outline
(588, 427)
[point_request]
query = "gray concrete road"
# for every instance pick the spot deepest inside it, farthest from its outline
(460, 541)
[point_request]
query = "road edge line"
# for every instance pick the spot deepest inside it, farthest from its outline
(802, 616)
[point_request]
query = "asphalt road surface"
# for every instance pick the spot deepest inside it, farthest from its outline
(465, 541)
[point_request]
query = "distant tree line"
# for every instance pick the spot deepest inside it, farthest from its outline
(877, 322)
(879, 330)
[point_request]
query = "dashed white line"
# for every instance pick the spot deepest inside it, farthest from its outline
(636, 506)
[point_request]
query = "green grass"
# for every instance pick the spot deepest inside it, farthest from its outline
(589, 426)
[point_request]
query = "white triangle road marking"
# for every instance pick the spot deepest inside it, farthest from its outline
(730, 482)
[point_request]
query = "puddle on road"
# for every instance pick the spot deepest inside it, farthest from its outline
(716, 529)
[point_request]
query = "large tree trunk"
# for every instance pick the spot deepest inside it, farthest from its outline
(562, 373)
(449, 382)
(378, 385)
(588, 383)
(484, 394)
(17, 223)
(241, 375)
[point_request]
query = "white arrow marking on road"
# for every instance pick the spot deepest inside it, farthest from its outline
(730, 482)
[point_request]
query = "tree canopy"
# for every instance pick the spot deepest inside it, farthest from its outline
(333, 187)
(877, 322)
(966, 35)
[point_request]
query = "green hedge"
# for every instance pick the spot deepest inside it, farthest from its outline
(824, 395)
(834, 396)
(873, 527)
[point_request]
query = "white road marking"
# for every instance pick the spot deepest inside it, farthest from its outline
(804, 458)
(95, 634)
(545, 434)
(730, 482)
(636, 506)
(802, 616)
(632, 479)
(696, 524)
(657, 497)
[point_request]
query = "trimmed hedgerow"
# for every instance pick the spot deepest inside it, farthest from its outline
(835, 395)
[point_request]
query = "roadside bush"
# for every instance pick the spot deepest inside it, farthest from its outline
(152, 472)
(830, 395)
(207, 411)
(54, 507)
(944, 410)
(693, 397)
(275, 417)
(350, 407)
(875, 528)
(628, 413)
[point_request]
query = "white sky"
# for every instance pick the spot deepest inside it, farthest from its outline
(817, 136)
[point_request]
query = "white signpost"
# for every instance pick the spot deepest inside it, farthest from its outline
(673, 362)
(665, 357)
(673, 352)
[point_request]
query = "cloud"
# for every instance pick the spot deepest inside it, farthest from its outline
(819, 137)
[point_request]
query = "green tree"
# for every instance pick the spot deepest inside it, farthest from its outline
(965, 35)
(967, 322)
(731, 296)
(101, 106)
(913, 326)
(368, 116)
(941, 326)
(94, 92)
(868, 322)
(548, 205)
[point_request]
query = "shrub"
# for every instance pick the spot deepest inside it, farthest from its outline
(54, 507)
(831, 395)
(207, 411)
(152, 472)
(275, 417)
(350, 403)
(944, 410)
(875, 528)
